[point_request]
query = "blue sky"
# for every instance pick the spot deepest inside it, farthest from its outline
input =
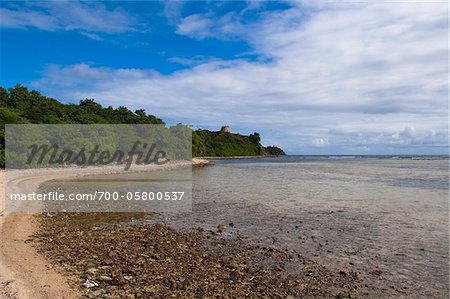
(311, 77)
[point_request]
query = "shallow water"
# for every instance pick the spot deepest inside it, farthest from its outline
(386, 219)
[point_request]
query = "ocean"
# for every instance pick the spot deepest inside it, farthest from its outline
(385, 218)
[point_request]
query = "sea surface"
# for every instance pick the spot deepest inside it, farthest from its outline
(385, 218)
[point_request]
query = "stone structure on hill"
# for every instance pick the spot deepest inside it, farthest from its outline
(225, 129)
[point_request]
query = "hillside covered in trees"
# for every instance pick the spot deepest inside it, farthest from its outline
(216, 144)
(18, 105)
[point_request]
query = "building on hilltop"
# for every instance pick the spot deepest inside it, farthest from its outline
(225, 129)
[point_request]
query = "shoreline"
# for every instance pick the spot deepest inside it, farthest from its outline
(24, 273)
(32, 266)
(237, 157)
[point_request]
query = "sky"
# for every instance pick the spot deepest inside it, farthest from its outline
(313, 77)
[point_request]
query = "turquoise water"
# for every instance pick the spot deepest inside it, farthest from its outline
(386, 218)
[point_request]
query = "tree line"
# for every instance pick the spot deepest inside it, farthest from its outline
(19, 105)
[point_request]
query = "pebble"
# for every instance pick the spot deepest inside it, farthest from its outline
(221, 228)
(105, 278)
(91, 271)
(96, 293)
(90, 283)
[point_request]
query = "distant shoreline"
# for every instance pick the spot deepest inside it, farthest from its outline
(237, 157)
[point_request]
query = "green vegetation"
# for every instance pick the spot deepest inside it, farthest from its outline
(274, 151)
(215, 144)
(18, 105)
(32, 107)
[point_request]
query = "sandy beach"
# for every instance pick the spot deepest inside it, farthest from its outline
(23, 272)
(48, 257)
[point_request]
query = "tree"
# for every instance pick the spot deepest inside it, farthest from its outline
(91, 104)
(3, 97)
(255, 138)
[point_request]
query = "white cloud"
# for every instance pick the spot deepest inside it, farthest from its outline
(410, 136)
(196, 25)
(201, 26)
(320, 142)
(67, 15)
(196, 60)
(91, 35)
(358, 74)
(172, 10)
